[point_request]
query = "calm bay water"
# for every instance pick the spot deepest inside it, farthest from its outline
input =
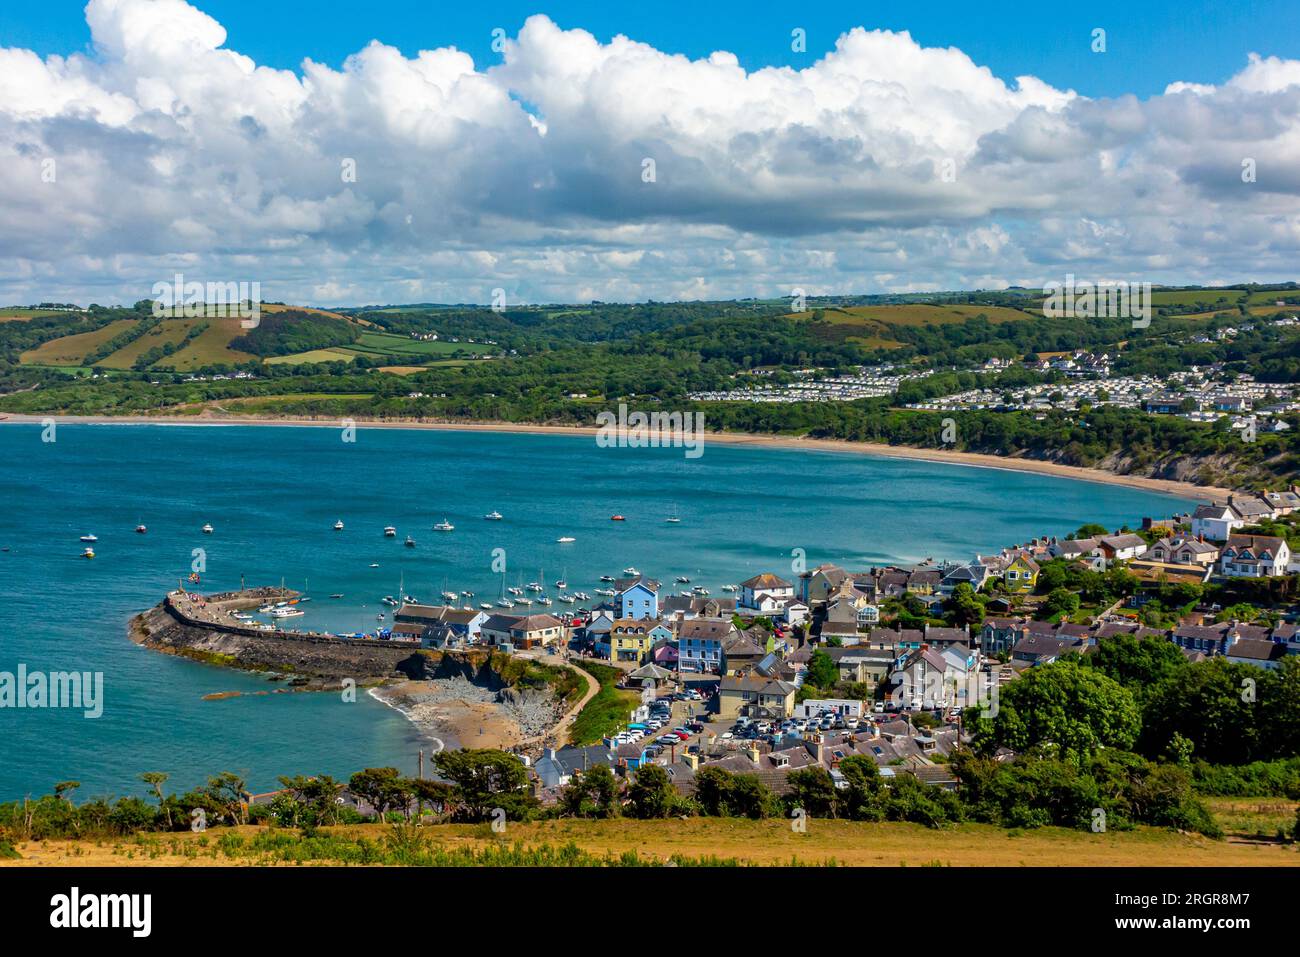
(273, 494)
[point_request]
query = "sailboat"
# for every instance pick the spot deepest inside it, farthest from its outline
(503, 601)
(673, 517)
(562, 582)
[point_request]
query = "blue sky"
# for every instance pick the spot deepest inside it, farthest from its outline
(1149, 43)
(986, 146)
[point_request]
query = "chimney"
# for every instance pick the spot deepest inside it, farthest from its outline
(550, 753)
(753, 753)
(694, 761)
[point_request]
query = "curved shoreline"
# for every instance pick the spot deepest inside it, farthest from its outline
(940, 456)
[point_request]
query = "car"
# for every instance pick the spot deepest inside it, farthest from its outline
(879, 707)
(852, 722)
(683, 735)
(728, 735)
(666, 739)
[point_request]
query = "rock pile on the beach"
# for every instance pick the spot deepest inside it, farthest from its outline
(535, 711)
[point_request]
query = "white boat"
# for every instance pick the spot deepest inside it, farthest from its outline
(90, 538)
(390, 531)
(514, 590)
(207, 529)
(493, 516)
(699, 590)
(390, 600)
(505, 603)
(608, 592)
(88, 553)
(287, 613)
(450, 596)
(486, 606)
(374, 564)
(731, 588)
(543, 600)
(673, 518)
(566, 539)
(524, 600)
(581, 596)
(338, 526)
(444, 526)
(607, 578)
(682, 580)
(630, 571)
(265, 609)
(467, 594)
(535, 586)
(568, 599)
(410, 542)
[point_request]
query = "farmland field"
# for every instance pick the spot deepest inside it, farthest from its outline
(210, 348)
(1215, 298)
(70, 350)
(169, 330)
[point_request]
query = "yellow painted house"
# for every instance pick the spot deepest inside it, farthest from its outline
(1021, 573)
(631, 639)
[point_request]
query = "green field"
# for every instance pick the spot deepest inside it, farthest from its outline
(378, 345)
(169, 330)
(1214, 298)
(70, 350)
(212, 347)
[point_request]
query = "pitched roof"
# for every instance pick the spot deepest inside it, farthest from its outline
(765, 580)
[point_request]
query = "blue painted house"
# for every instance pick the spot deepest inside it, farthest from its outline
(699, 644)
(637, 597)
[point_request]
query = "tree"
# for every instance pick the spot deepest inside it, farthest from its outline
(813, 790)
(713, 791)
(860, 798)
(64, 789)
(964, 607)
(383, 789)
(651, 793)
(1061, 601)
(750, 797)
(1067, 707)
(592, 793)
(156, 779)
(1138, 664)
(485, 779)
(227, 793)
(822, 672)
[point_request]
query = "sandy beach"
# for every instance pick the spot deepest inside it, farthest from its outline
(945, 456)
(451, 715)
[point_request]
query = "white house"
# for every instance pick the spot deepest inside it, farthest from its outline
(1215, 522)
(1254, 556)
(751, 591)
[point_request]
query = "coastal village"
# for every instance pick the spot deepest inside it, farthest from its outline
(803, 669)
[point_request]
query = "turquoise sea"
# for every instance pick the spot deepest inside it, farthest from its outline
(273, 495)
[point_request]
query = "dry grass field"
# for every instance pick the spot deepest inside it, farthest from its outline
(740, 841)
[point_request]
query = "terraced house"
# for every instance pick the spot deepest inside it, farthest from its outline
(631, 639)
(699, 643)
